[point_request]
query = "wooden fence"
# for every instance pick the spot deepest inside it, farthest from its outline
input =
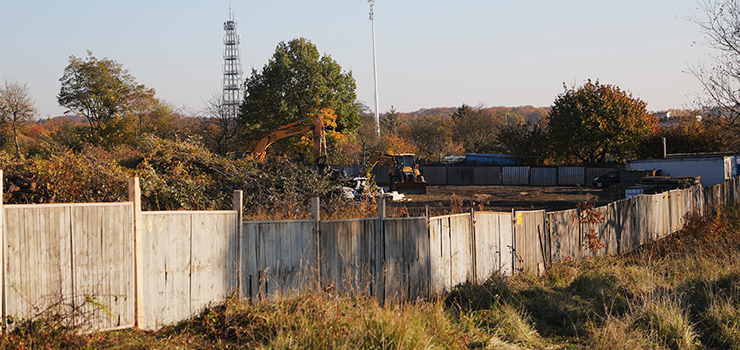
(114, 266)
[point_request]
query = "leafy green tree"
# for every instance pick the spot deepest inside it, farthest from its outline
(432, 137)
(689, 135)
(596, 121)
(96, 89)
(475, 128)
(528, 140)
(16, 109)
(297, 83)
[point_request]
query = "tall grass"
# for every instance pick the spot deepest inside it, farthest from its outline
(682, 292)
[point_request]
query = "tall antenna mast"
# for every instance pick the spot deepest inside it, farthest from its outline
(232, 88)
(375, 66)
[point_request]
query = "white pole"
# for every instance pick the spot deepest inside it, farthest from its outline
(375, 66)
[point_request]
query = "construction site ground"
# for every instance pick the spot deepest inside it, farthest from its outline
(442, 200)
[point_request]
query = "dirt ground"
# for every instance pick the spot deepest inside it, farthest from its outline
(442, 200)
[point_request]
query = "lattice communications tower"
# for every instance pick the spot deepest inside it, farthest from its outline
(232, 87)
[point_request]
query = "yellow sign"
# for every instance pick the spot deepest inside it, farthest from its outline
(518, 218)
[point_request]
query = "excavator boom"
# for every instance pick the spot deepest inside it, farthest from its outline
(319, 139)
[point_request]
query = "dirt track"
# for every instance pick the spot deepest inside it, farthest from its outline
(439, 199)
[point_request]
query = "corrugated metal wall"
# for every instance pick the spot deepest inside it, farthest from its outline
(459, 175)
(434, 175)
(515, 175)
(487, 176)
(543, 176)
(571, 176)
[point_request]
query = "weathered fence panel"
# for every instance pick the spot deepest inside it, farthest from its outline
(351, 258)
(214, 263)
(565, 234)
(407, 267)
(543, 176)
(67, 257)
(460, 175)
(488, 175)
(434, 175)
(493, 244)
(278, 257)
(188, 261)
(382, 175)
(450, 251)
(515, 175)
(571, 176)
(531, 244)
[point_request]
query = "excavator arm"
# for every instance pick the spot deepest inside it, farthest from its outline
(319, 139)
(375, 159)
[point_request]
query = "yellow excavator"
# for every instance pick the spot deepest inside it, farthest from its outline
(319, 138)
(405, 176)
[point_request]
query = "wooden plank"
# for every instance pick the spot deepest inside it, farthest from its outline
(99, 264)
(250, 270)
(35, 268)
(134, 196)
(395, 276)
(487, 260)
(438, 256)
(530, 240)
(213, 272)
(493, 241)
(238, 206)
(461, 256)
(166, 262)
(3, 262)
(416, 256)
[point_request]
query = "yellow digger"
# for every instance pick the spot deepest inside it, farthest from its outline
(404, 173)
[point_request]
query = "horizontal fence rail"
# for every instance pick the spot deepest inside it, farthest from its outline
(90, 260)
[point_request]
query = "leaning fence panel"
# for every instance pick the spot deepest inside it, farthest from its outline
(278, 257)
(406, 258)
(531, 244)
(349, 256)
(493, 254)
(565, 235)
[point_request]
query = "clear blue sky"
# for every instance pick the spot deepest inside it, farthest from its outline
(430, 53)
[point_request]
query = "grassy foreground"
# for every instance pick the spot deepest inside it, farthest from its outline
(680, 293)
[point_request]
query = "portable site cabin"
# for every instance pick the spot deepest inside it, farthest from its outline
(713, 168)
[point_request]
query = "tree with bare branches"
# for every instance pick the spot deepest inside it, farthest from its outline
(720, 23)
(16, 108)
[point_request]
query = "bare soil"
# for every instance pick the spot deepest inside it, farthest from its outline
(441, 200)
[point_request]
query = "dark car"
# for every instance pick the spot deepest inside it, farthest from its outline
(606, 180)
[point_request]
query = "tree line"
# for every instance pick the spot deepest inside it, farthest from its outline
(594, 123)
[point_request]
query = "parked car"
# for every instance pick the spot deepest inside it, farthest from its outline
(606, 180)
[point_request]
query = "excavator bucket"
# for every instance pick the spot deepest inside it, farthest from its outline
(411, 187)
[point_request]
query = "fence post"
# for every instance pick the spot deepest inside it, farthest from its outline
(134, 195)
(381, 238)
(3, 252)
(316, 216)
(473, 242)
(238, 199)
